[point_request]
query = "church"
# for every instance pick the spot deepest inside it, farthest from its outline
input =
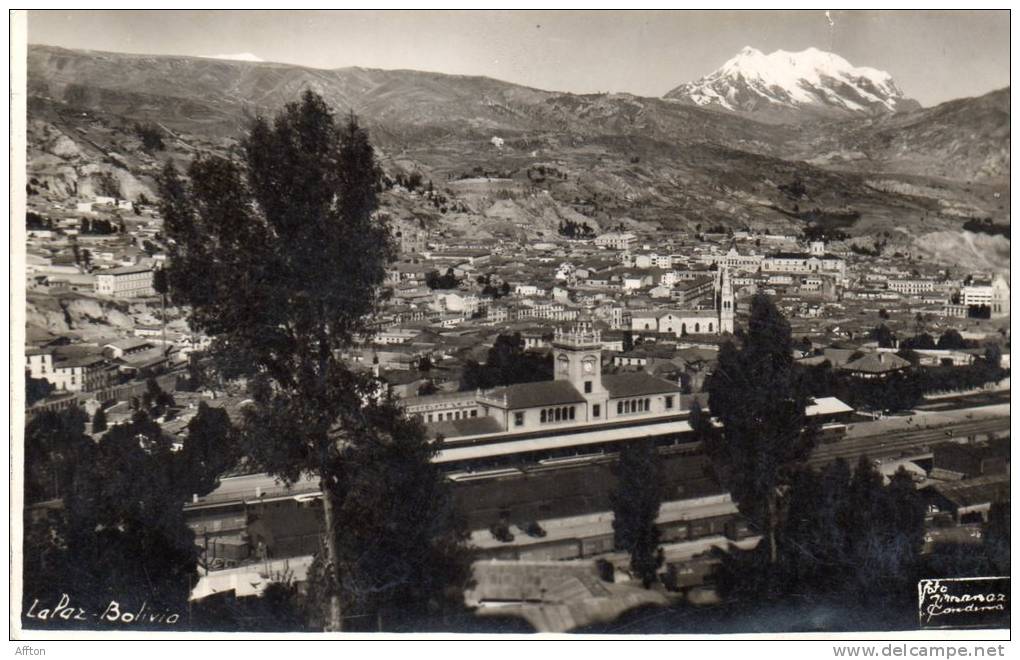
(713, 319)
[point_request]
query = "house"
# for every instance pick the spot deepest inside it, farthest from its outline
(126, 347)
(81, 371)
(876, 365)
(151, 360)
(578, 394)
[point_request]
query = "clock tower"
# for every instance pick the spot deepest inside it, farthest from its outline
(577, 358)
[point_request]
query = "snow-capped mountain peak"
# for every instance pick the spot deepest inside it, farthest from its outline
(785, 86)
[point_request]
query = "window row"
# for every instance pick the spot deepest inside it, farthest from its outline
(633, 406)
(456, 414)
(562, 414)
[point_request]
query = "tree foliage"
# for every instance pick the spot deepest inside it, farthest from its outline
(845, 536)
(636, 502)
(280, 259)
(447, 280)
(107, 185)
(573, 229)
(151, 136)
(120, 533)
(36, 389)
(765, 433)
(507, 363)
(402, 552)
(901, 390)
(884, 336)
(99, 421)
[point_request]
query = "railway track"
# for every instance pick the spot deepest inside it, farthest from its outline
(897, 443)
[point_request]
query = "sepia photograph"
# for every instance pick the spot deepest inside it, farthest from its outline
(511, 324)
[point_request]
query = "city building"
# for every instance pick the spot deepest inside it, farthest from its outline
(616, 240)
(688, 319)
(911, 287)
(126, 281)
(801, 262)
(993, 294)
(76, 373)
(579, 394)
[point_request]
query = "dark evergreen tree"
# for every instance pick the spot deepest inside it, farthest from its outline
(120, 534)
(507, 363)
(99, 421)
(402, 552)
(280, 262)
(636, 502)
(951, 339)
(765, 434)
(884, 336)
(54, 441)
(36, 389)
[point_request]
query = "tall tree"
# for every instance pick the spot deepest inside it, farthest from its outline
(636, 502)
(884, 336)
(280, 260)
(36, 389)
(951, 339)
(99, 421)
(403, 558)
(764, 436)
(507, 363)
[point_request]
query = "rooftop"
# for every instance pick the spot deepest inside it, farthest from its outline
(637, 384)
(971, 492)
(533, 395)
(877, 363)
(126, 270)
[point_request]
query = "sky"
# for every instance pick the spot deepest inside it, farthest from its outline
(933, 56)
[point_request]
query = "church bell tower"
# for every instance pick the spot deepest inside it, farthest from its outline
(727, 303)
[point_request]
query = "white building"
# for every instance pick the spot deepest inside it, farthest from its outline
(79, 374)
(800, 262)
(616, 240)
(994, 294)
(715, 320)
(911, 287)
(126, 282)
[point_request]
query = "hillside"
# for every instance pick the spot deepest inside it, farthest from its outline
(965, 139)
(536, 156)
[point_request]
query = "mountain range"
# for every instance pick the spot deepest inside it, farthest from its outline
(716, 151)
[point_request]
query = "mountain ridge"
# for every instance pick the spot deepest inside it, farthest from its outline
(596, 157)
